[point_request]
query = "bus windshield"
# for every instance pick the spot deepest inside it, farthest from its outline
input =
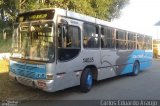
(33, 41)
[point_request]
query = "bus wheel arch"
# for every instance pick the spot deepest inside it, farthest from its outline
(89, 74)
(94, 71)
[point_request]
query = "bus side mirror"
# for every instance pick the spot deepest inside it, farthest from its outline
(63, 22)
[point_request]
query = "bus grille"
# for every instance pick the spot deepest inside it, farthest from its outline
(25, 81)
(26, 71)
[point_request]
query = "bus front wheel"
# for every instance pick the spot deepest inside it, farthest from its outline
(136, 68)
(86, 81)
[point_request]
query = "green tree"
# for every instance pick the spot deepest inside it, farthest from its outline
(7, 15)
(103, 9)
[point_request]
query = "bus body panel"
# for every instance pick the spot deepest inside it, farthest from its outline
(67, 73)
(70, 71)
(142, 56)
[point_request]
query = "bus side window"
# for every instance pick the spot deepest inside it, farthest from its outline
(69, 37)
(90, 36)
(140, 41)
(73, 37)
(107, 37)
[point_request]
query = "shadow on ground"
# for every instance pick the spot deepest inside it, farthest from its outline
(13, 90)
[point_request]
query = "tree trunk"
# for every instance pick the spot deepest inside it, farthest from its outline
(4, 35)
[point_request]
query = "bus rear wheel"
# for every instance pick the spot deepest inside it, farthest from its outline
(136, 69)
(86, 81)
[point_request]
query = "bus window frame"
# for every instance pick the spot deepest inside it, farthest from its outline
(97, 32)
(112, 37)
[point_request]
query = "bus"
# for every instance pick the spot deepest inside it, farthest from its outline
(156, 48)
(54, 49)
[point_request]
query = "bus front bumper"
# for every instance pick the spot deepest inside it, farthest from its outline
(45, 85)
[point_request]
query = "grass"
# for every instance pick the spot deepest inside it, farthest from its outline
(5, 47)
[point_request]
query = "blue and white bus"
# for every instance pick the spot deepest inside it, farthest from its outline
(54, 49)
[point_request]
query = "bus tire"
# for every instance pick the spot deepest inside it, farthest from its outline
(86, 81)
(136, 68)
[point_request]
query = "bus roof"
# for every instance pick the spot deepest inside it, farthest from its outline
(82, 17)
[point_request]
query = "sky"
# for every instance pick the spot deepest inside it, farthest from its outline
(140, 16)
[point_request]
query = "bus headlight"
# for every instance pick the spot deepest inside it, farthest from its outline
(49, 77)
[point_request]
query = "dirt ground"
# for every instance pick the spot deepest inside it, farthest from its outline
(11, 89)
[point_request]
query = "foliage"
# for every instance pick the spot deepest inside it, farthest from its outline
(8, 12)
(103, 9)
(5, 45)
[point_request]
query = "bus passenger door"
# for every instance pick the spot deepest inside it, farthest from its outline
(68, 50)
(108, 54)
(107, 61)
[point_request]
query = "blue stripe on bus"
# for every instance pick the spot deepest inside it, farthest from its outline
(144, 57)
(30, 71)
(34, 72)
